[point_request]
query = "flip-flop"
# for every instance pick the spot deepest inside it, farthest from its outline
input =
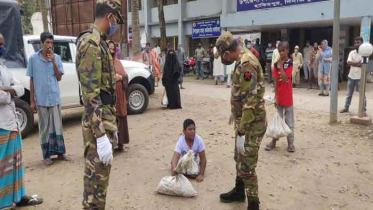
(64, 157)
(291, 148)
(48, 162)
(269, 147)
(30, 201)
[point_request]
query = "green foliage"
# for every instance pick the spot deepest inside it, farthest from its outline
(28, 7)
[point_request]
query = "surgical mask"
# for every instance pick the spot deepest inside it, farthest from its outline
(269, 45)
(113, 28)
(307, 44)
(180, 48)
(248, 46)
(296, 51)
(2, 51)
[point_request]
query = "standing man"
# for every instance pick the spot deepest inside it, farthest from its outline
(275, 57)
(250, 47)
(306, 65)
(180, 53)
(258, 47)
(211, 56)
(313, 67)
(96, 74)
(45, 71)
(269, 54)
(12, 186)
(199, 55)
(354, 77)
(249, 116)
(146, 55)
(297, 58)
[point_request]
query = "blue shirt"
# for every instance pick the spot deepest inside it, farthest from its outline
(46, 88)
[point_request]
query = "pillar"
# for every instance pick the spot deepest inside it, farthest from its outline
(302, 38)
(147, 19)
(181, 11)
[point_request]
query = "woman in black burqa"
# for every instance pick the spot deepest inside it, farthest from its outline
(170, 78)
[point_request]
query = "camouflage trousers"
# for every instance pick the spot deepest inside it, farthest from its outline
(96, 174)
(246, 163)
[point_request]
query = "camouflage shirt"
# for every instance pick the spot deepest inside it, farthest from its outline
(94, 65)
(247, 92)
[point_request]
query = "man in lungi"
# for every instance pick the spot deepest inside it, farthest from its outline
(45, 71)
(12, 189)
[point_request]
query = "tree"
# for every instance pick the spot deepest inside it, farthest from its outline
(162, 24)
(136, 46)
(28, 9)
(44, 14)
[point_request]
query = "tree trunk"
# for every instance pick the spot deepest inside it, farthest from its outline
(136, 45)
(44, 14)
(162, 24)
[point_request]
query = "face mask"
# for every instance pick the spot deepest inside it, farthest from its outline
(147, 49)
(308, 44)
(2, 51)
(248, 46)
(113, 28)
(296, 51)
(180, 48)
(269, 45)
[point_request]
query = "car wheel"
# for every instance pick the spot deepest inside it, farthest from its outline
(138, 99)
(25, 117)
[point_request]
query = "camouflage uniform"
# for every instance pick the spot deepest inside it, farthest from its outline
(247, 106)
(96, 74)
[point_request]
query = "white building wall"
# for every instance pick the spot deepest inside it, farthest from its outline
(203, 8)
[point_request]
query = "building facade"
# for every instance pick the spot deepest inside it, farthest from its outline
(297, 21)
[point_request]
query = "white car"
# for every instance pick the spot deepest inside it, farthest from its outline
(141, 81)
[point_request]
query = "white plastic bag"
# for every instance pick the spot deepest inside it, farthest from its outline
(187, 165)
(277, 128)
(177, 185)
(164, 98)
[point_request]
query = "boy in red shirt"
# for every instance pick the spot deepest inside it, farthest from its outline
(282, 72)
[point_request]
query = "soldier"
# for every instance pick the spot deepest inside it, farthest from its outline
(249, 116)
(96, 74)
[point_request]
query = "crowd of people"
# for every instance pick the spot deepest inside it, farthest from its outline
(104, 82)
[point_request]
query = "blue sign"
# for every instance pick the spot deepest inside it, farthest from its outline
(206, 29)
(245, 5)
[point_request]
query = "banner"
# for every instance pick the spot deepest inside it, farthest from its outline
(246, 5)
(206, 29)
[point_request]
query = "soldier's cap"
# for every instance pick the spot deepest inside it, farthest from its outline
(115, 5)
(296, 47)
(226, 42)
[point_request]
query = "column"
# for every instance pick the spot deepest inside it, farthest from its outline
(147, 19)
(181, 11)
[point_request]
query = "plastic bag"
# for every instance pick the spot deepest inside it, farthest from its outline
(164, 98)
(177, 185)
(187, 165)
(277, 128)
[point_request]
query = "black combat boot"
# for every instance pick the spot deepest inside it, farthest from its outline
(253, 203)
(236, 194)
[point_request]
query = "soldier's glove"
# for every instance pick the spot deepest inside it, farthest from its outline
(231, 119)
(105, 150)
(240, 144)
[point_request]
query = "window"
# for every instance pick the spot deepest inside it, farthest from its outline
(60, 48)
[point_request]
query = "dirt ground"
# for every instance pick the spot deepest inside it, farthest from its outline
(331, 170)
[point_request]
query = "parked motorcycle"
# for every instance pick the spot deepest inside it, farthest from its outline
(190, 66)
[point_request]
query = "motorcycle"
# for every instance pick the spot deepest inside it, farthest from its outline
(190, 66)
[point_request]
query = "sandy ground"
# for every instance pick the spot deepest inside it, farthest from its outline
(331, 170)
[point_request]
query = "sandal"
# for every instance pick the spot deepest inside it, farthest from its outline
(270, 146)
(291, 148)
(30, 201)
(48, 162)
(63, 157)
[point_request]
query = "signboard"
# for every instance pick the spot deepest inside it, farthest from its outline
(206, 29)
(246, 5)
